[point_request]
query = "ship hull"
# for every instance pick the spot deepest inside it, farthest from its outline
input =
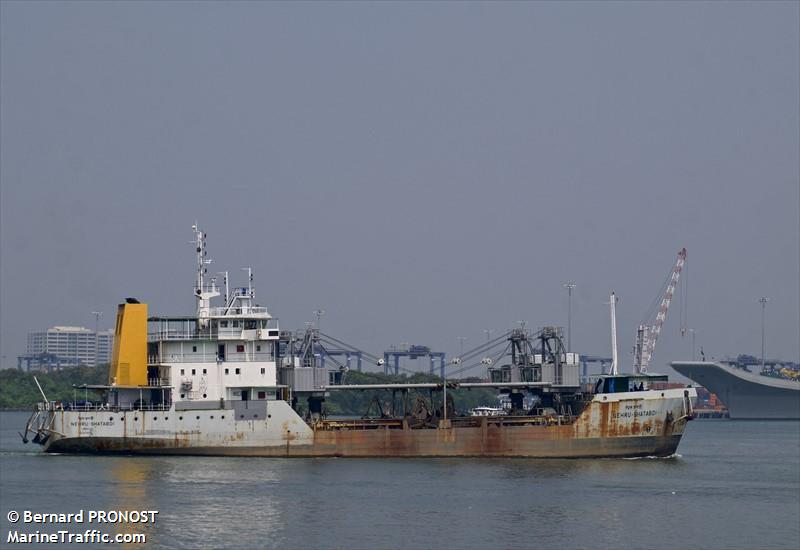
(747, 395)
(633, 424)
(464, 442)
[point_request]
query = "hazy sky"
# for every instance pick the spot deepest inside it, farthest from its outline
(421, 171)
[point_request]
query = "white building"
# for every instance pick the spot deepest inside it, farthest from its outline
(73, 343)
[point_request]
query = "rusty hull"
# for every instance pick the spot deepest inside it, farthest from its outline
(603, 429)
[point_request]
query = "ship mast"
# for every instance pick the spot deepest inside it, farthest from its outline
(613, 306)
(203, 293)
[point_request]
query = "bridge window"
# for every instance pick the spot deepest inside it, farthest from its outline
(226, 371)
(258, 347)
(239, 348)
(263, 370)
(526, 374)
(238, 371)
(194, 348)
(194, 372)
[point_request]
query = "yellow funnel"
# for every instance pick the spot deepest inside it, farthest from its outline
(129, 360)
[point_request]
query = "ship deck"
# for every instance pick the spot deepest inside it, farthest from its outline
(455, 422)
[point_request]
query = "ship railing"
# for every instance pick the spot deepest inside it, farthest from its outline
(145, 407)
(221, 333)
(243, 357)
(98, 407)
(161, 335)
(43, 406)
(237, 311)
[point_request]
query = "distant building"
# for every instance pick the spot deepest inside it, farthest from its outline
(64, 346)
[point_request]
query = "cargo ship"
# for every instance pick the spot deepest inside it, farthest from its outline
(748, 395)
(227, 381)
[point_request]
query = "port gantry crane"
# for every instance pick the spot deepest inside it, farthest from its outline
(648, 331)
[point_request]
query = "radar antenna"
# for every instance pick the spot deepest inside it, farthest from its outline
(203, 293)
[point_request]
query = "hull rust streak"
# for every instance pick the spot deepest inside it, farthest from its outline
(620, 427)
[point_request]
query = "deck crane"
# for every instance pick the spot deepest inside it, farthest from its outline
(648, 331)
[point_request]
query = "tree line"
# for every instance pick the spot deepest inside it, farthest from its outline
(18, 391)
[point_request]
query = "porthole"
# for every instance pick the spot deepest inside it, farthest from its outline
(241, 416)
(155, 418)
(111, 419)
(166, 418)
(255, 416)
(135, 418)
(204, 396)
(222, 417)
(198, 418)
(180, 418)
(122, 419)
(662, 394)
(183, 395)
(269, 416)
(212, 417)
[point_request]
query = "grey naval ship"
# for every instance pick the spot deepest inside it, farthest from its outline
(227, 381)
(748, 395)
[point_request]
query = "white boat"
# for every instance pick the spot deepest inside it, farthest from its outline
(487, 411)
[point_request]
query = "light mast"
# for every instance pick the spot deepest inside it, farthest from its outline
(203, 293)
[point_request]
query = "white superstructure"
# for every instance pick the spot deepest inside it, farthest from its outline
(225, 352)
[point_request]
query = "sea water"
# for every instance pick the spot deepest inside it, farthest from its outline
(733, 484)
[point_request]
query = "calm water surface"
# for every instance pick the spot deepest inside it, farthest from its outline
(734, 485)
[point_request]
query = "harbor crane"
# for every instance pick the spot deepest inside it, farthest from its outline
(650, 328)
